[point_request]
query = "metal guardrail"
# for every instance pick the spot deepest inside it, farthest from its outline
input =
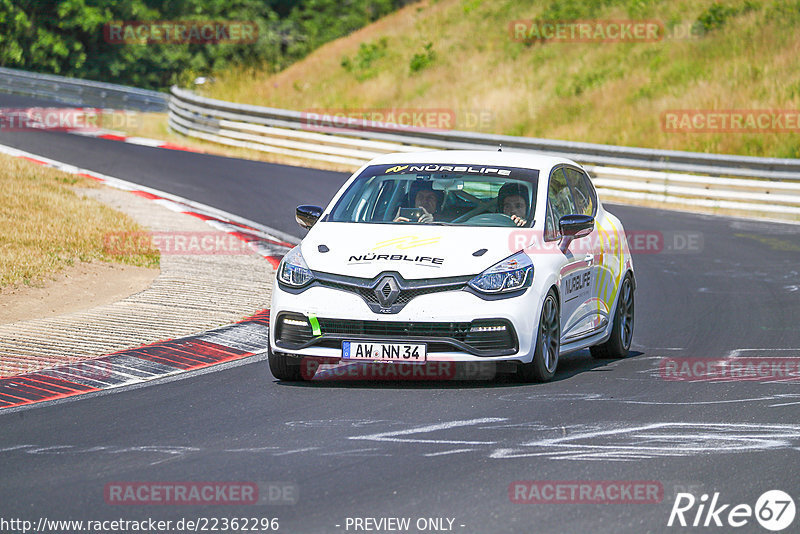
(750, 184)
(204, 110)
(80, 93)
(764, 185)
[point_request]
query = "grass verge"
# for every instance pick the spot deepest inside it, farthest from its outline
(46, 224)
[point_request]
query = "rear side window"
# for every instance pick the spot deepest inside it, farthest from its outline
(560, 203)
(581, 191)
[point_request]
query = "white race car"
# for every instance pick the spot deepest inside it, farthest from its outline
(456, 256)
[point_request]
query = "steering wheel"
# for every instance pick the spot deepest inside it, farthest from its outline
(492, 219)
(482, 206)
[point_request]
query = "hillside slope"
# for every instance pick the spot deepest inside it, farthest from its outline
(460, 55)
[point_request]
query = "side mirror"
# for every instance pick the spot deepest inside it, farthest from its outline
(576, 226)
(307, 216)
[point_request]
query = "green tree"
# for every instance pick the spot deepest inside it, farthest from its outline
(66, 36)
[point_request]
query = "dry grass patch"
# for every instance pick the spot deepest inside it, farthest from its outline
(46, 224)
(593, 92)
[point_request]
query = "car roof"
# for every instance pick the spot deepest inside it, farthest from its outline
(475, 157)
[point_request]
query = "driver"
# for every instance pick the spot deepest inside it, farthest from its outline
(512, 200)
(426, 199)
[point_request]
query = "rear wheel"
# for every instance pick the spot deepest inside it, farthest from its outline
(548, 344)
(619, 343)
(284, 367)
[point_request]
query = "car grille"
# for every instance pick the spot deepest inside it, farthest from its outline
(483, 337)
(405, 296)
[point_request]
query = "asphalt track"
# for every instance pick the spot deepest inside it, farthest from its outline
(420, 450)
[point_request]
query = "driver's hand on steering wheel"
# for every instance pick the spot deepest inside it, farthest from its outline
(519, 221)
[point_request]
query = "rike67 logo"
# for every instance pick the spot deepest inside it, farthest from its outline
(774, 510)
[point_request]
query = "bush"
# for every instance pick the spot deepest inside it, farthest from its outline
(714, 17)
(717, 14)
(422, 60)
(576, 9)
(361, 66)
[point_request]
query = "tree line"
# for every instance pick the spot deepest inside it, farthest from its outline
(71, 37)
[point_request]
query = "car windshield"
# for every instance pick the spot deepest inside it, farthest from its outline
(469, 195)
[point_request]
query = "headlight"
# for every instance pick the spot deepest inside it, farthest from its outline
(514, 272)
(293, 270)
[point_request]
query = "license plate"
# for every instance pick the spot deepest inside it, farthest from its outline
(384, 352)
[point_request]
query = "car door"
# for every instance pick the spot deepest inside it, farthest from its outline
(594, 246)
(575, 275)
(610, 256)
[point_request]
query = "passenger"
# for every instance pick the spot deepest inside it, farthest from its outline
(425, 198)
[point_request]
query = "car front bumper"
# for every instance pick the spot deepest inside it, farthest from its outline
(457, 325)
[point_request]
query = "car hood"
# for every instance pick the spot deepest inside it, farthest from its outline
(414, 251)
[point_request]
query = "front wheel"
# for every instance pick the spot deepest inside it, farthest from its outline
(619, 343)
(284, 367)
(548, 344)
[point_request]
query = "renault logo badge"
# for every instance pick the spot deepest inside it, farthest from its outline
(387, 291)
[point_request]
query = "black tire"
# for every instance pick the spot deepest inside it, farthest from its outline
(284, 367)
(548, 343)
(619, 343)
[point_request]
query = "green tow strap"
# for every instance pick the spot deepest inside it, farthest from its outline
(315, 329)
